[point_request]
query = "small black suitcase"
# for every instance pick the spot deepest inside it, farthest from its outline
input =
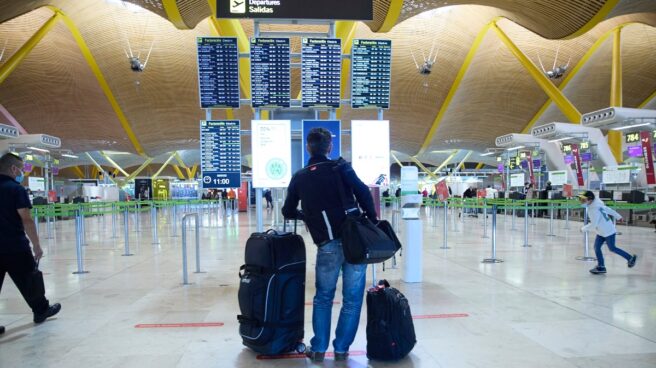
(272, 293)
(390, 330)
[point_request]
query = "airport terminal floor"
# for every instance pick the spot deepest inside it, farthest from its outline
(539, 308)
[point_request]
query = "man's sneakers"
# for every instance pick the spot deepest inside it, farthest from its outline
(2, 330)
(598, 270)
(314, 356)
(632, 260)
(341, 357)
(51, 311)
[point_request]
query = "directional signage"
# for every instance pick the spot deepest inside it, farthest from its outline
(220, 154)
(270, 72)
(321, 70)
(218, 72)
(296, 9)
(371, 65)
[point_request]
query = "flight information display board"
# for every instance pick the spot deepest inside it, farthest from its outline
(270, 72)
(321, 70)
(371, 68)
(218, 72)
(220, 154)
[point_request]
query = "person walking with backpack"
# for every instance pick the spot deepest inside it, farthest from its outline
(600, 221)
(317, 188)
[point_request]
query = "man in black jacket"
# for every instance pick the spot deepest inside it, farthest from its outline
(323, 209)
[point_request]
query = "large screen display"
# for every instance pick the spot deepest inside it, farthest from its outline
(321, 70)
(218, 72)
(272, 153)
(370, 150)
(270, 72)
(371, 68)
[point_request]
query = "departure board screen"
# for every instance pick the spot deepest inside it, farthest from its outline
(270, 72)
(220, 154)
(371, 73)
(218, 72)
(321, 70)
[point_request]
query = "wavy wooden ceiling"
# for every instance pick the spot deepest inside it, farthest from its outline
(54, 92)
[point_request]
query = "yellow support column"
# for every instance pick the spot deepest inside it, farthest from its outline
(192, 172)
(344, 30)
(173, 13)
(421, 166)
(179, 172)
(15, 60)
(614, 137)
(480, 166)
(163, 166)
(446, 162)
(556, 95)
(78, 172)
(392, 16)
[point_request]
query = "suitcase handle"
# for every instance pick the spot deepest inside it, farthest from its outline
(284, 225)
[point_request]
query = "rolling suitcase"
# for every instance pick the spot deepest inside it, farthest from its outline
(390, 330)
(272, 293)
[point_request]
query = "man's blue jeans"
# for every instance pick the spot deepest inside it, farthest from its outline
(330, 261)
(610, 241)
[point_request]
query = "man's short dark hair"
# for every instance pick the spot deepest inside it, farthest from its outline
(8, 160)
(318, 140)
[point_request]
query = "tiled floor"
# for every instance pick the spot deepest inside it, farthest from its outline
(539, 308)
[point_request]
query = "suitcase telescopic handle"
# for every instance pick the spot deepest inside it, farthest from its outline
(284, 225)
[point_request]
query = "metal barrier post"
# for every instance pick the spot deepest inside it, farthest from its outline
(586, 242)
(446, 225)
(78, 243)
(513, 216)
(551, 219)
(185, 217)
(137, 220)
(567, 216)
(526, 224)
(48, 225)
(153, 223)
(114, 221)
(197, 246)
(84, 226)
(494, 258)
(485, 220)
(435, 213)
(174, 213)
(126, 229)
(36, 220)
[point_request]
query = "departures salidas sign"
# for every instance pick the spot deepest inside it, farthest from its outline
(296, 9)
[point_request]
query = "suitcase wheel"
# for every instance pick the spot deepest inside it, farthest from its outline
(300, 348)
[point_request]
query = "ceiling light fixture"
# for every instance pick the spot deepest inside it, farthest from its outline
(38, 149)
(631, 126)
(116, 153)
(560, 139)
(69, 155)
(514, 148)
(488, 153)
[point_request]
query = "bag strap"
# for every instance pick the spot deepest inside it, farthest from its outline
(340, 189)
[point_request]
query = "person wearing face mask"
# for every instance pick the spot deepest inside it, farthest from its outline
(16, 222)
(601, 222)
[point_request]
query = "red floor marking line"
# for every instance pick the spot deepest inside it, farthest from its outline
(311, 303)
(302, 356)
(436, 316)
(179, 325)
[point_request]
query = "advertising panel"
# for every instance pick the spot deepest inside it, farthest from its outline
(370, 150)
(272, 153)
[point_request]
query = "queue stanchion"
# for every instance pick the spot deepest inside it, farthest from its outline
(185, 219)
(153, 223)
(494, 258)
(566, 216)
(36, 220)
(586, 242)
(197, 246)
(84, 225)
(514, 215)
(445, 244)
(126, 232)
(114, 216)
(137, 215)
(526, 225)
(551, 219)
(435, 212)
(78, 243)
(485, 220)
(174, 213)
(48, 225)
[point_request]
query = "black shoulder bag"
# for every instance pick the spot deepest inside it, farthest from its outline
(362, 241)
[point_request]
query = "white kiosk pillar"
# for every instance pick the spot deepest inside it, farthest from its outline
(413, 229)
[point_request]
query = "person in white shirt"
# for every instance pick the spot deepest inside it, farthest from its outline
(490, 193)
(601, 222)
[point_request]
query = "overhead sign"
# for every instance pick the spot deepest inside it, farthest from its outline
(632, 137)
(220, 154)
(371, 68)
(270, 72)
(517, 180)
(321, 71)
(218, 72)
(577, 162)
(296, 9)
(617, 174)
(272, 153)
(334, 127)
(370, 150)
(558, 177)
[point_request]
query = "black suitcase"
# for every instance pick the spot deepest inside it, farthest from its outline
(390, 330)
(272, 293)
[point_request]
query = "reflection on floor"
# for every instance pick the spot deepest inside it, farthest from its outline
(539, 308)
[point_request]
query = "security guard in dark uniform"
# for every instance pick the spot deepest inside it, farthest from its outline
(16, 257)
